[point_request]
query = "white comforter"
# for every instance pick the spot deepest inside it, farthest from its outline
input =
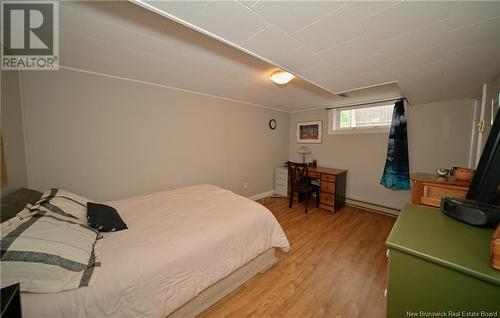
(177, 244)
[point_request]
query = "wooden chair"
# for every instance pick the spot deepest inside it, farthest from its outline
(300, 183)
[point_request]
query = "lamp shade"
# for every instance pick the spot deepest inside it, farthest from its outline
(303, 150)
(281, 77)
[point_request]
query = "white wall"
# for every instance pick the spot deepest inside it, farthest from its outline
(438, 136)
(12, 133)
(110, 138)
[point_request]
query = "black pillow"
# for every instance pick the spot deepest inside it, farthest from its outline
(104, 218)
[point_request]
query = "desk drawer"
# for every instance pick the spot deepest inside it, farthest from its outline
(313, 174)
(327, 198)
(328, 177)
(432, 194)
(328, 187)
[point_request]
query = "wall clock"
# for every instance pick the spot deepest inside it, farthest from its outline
(273, 124)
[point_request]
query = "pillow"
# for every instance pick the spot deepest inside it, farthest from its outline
(104, 218)
(15, 202)
(49, 253)
(66, 204)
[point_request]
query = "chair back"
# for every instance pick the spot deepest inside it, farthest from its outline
(298, 173)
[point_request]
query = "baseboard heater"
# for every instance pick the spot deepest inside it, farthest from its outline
(372, 206)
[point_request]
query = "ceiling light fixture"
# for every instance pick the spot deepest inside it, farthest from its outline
(281, 77)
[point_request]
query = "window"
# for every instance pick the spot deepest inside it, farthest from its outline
(360, 119)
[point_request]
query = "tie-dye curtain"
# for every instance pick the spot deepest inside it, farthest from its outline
(397, 171)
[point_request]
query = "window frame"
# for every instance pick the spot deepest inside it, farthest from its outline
(334, 121)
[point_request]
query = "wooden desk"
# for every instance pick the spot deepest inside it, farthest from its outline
(332, 187)
(429, 188)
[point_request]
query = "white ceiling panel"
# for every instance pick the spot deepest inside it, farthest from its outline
(433, 71)
(292, 16)
(122, 39)
(282, 43)
(331, 30)
(476, 51)
(320, 71)
(435, 50)
(358, 68)
(348, 51)
(488, 30)
(464, 13)
(404, 17)
(417, 58)
(299, 59)
(185, 10)
(364, 9)
(218, 16)
(430, 35)
(249, 3)
(346, 45)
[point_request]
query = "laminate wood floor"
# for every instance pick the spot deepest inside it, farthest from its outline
(336, 267)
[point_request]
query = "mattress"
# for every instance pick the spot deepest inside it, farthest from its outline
(178, 243)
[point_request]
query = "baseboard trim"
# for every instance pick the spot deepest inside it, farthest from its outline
(261, 195)
(372, 207)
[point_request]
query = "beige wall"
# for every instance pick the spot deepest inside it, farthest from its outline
(438, 136)
(12, 132)
(109, 138)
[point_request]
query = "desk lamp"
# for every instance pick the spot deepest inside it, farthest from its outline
(303, 151)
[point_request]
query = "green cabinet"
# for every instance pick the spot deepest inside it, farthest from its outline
(439, 267)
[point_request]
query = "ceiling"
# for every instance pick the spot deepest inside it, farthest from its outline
(434, 50)
(125, 40)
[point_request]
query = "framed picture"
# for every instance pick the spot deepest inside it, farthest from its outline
(309, 132)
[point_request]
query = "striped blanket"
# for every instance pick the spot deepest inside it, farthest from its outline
(49, 250)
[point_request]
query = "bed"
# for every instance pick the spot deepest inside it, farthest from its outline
(184, 249)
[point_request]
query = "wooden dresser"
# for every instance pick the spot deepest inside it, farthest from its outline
(332, 184)
(429, 188)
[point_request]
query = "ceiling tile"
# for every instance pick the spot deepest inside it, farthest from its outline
(363, 9)
(248, 3)
(99, 63)
(292, 16)
(366, 64)
(298, 59)
(219, 17)
(432, 71)
(348, 51)
(184, 10)
(410, 42)
(372, 77)
(472, 52)
(318, 72)
(70, 17)
(73, 57)
(480, 32)
(271, 43)
(421, 91)
(425, 56)
(463, 13)
(337, 27)
(433, 34)
(487, 67)
(404, 17)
